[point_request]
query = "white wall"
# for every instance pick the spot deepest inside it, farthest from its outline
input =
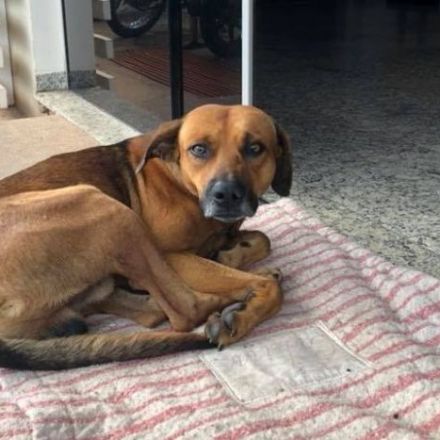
(48, 36)
(37, 49)
(5, 68)
(21, 52)
(38, 52)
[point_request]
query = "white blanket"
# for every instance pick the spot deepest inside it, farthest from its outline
(353, 354)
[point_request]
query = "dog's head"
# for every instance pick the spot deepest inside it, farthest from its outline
(228, 156)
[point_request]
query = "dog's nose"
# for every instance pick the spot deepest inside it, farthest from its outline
(228, 192)
(228, 200)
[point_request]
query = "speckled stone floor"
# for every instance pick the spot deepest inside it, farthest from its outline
(357, 85)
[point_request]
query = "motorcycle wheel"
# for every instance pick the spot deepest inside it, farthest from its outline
(131, 18)
(220, 25)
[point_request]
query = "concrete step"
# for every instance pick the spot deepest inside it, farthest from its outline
(104, 47)
(101, 113)
(101, 9)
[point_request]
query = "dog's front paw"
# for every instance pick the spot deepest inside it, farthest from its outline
(228, 326)
(269, 272)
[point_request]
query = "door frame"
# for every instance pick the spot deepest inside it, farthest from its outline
(6, 83)
(247, 57)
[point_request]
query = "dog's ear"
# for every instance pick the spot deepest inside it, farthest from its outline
(162, 143)
(282, 180)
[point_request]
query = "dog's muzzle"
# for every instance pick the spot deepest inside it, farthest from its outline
(228, 200)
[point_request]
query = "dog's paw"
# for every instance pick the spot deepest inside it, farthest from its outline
(269, 272)
(226, 327)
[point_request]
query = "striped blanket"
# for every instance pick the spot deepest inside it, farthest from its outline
(384, 319)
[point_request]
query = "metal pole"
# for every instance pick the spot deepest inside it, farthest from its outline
(175, 56)
(247, 61)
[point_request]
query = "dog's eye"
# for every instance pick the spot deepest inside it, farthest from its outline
(199, 150)
(253, 150)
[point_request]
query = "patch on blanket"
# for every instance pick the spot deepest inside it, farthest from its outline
(269, 366)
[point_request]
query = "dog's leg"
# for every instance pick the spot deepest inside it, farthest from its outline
(247, 247)
(146, 269)
(86, 301)
(104, 297)
(86, 237)
(252, 297)
(142, 309)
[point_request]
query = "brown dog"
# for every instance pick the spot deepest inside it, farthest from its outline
(153, 210)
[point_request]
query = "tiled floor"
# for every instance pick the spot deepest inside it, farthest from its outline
(25, 141)
(357, 85)
(9, 113)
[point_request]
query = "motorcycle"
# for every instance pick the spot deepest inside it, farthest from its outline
(220, 21)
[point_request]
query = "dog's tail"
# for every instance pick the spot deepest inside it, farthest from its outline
(80, 351)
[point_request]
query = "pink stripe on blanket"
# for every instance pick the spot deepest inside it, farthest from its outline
(387, 314)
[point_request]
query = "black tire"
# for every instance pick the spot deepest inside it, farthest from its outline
(220, 25)
(131, 18)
